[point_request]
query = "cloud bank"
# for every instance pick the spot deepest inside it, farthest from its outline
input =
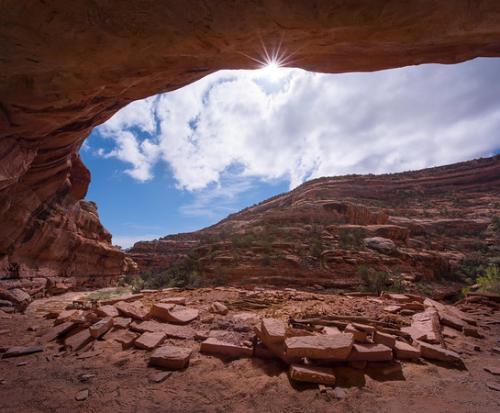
(295, 125)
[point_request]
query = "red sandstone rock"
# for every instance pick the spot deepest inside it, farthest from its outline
(360, 336)
(78, 340)
(308, 374)
(404, 351)
(148, 341)
(273, 330)
(135, 310)
(370, 352)
(214, 346)
(56, 332)
(219, 308)
(101, 327)
(121, 322)
(328, 347)
(383, 338)
(170, 357)
(107, 311)
(433, 352)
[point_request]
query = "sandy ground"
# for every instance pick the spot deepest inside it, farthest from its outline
(49, 381)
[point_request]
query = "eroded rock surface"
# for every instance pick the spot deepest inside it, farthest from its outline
(413, 226)
(67, 67)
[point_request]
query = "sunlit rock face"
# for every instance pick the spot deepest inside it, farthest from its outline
(412, 226)
(68, 66)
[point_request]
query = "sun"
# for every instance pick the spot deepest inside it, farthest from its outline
(271, 69)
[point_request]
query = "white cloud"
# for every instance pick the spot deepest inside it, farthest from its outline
(217, 199)
(127, 241)
(303, 125)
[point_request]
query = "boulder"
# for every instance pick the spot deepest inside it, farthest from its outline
(170, 357)
(218, 347)
(370, 352)
(309, 374)
(380, 244)
(148, 341)
(326, 347)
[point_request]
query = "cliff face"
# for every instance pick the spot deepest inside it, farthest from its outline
(414, 226)
(67, 66)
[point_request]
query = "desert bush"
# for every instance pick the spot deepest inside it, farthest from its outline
(495, 222)
(374, 281)
(490, 281)
(351, 238)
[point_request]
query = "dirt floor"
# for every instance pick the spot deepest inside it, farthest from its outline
(119, 380)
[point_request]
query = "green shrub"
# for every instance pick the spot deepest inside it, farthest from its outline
(374, 281)
(351, 237)
(495, 221)
(490, 281)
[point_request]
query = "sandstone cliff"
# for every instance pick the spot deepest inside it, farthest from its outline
(67, 66)
(412, 226)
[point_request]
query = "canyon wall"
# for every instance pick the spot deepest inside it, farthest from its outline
(67, 66)
(429, 225)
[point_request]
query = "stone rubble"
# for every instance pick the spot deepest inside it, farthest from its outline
(311, 346)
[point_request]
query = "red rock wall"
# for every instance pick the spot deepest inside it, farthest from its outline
(67, 66)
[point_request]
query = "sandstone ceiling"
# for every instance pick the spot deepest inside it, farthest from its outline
(67, 66)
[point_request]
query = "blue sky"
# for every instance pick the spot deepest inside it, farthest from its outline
(183, 160)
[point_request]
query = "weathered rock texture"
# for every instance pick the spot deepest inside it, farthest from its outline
(413, 226)
(67, 66)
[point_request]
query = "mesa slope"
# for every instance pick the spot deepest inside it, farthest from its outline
(416, 227)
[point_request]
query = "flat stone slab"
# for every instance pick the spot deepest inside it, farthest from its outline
(329, 331)
(424, 326)
(101, 327)
(214, 346)
(392, 308)
(56, 332)
(135, 310)
(319, 375)
(122, 322)
(433, 352)
(493, 370)
(170, 357)
(174, 300)
(19, 351)
(172, 331)
(78, 340)
(404, 351)
(273, 329)
(172, 313)
(333, 347)
(67, 315)
(383, 338)
(107, 311)
(370, 352)
(124, 337)
(149, 341)
(360, 336)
